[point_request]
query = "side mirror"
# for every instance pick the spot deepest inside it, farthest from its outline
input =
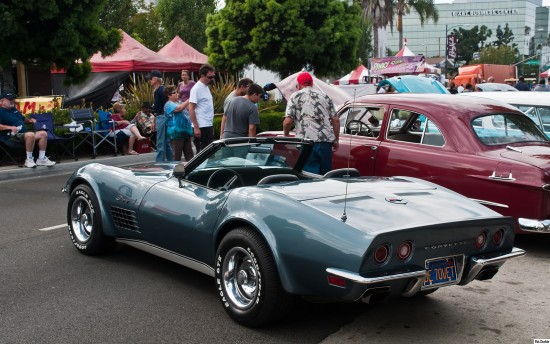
(179, 171)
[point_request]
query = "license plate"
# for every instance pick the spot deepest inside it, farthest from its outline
(441, 271)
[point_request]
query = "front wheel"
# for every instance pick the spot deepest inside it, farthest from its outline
(247, 279)
(84, 221)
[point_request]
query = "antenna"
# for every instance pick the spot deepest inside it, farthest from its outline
(344, 215)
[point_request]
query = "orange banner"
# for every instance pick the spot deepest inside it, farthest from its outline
(38, 104)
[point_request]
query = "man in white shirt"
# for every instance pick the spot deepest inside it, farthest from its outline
(201, 108)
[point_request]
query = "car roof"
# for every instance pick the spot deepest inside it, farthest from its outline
(515, 98)
(434, 103)
(495, 86)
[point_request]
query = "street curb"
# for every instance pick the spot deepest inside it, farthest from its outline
(66, 167)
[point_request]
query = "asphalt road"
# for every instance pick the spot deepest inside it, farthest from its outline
(50, 293)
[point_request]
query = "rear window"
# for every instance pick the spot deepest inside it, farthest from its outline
(497, 129)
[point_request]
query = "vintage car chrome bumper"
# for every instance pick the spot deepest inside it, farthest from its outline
(538, 226)
(479, 268)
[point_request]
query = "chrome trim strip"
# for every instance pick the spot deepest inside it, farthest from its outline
(480, 201)
(478, 264)
(169, 255)
(370, 280)
(537, 226)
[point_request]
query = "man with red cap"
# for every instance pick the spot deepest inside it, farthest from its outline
(313, 115)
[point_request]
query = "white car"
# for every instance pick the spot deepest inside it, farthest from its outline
(536, 105)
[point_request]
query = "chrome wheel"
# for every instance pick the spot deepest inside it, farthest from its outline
(82, 221)
(240, 277)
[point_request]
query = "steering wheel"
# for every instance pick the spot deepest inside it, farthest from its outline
(232, 179)
(360, 128)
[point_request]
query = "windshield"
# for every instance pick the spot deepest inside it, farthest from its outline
(497, 129)
(254, 154)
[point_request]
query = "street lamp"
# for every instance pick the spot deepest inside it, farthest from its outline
(447, 43)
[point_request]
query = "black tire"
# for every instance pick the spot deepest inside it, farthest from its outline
(250, 292)
(84, 220)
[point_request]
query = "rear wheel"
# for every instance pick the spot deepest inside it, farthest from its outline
(247, 279)
(84, 221)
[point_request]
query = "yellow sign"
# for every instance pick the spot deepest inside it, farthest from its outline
(38, 104)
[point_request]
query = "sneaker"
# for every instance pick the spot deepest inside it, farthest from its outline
(44, 162)
(29, 162)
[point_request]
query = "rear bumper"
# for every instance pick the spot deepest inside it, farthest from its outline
(410, 283)
(536, 226)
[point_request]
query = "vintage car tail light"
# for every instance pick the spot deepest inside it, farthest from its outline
(404, 251)
(498, 237)
(481, 240)
(382, 254)
(336, 281)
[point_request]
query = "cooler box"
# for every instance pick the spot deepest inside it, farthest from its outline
(143, 146)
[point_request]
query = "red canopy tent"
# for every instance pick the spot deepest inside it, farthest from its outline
(109, 72)
(183, 53)
(133, 56)
(357, 76)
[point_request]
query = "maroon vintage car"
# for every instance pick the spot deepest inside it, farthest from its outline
(483, 149)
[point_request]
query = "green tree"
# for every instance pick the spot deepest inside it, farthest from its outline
(186, 18)
(425, 9)
(364, 50)
(502, 54)
(470, 41)
(144, 28)
(504, 37)
(380, 14)
(117, 14)
(283, 36)
(55, 32)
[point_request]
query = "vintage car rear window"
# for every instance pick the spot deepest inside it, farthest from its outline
(497, 129)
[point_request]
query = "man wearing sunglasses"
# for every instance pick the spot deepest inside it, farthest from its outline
(201, 108)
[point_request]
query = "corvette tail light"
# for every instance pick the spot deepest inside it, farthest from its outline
(381, 254)
(481, 240)
(498, 237)
(336, 281)
(404, 251)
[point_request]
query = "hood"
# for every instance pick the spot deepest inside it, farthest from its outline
(375, 204)
(538, 156)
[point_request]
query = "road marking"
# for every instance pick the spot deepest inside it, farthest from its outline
(52, 227)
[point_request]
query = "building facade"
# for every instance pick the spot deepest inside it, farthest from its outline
(527, 19)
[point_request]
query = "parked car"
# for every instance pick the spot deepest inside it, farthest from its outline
(484, 149)
(414, 84)
(243, 212)
(495, 87)
(536, 105)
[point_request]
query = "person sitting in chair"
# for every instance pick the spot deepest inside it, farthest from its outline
(13, 123)
(122, 125)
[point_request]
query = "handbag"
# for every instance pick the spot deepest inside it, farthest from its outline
(178, 125)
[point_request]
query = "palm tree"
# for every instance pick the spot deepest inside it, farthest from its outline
(425, 9)
(380, 13)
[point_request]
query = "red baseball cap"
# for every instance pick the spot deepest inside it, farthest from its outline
(304, 79)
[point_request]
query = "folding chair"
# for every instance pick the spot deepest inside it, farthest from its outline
(44, 121)
(103, 130)
(86, 118)
(9, 148)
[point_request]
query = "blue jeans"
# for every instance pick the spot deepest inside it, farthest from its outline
(164, 151)
(320, 159)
